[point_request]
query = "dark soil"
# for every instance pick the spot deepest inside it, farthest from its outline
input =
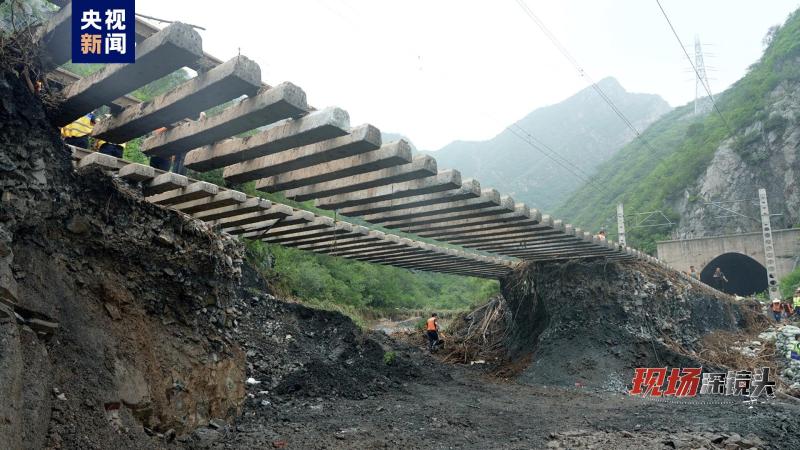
(472, 411)
(154, 330)
(137, 297)
(593, 322)
(302, 352)
(427, 403)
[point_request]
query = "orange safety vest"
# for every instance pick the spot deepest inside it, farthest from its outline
(432, 324)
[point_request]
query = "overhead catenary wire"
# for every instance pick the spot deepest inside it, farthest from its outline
(697, 73)
(564, 52)
(553, 155)
(545, 153)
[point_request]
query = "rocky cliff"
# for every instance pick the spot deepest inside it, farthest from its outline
(704, 171)
(765, 154)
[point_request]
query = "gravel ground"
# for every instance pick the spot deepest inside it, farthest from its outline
(469, 410)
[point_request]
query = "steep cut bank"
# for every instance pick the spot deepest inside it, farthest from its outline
(127, 325)
(111, 307)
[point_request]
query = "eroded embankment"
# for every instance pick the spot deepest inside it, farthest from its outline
(126, 325)
(111, 306)
(591, 323)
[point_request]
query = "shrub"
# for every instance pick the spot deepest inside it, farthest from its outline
(790, 282)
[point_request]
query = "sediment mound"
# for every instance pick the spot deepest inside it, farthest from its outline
(592, 323)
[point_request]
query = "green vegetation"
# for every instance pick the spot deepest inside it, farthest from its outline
(650, 178)
(362, 289)
(790, 282)
(389, 358)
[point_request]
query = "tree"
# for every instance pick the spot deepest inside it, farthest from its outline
(771, 32)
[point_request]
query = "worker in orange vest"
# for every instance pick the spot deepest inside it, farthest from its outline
(432, 329)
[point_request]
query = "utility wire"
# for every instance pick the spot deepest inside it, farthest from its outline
(555, 156)
(563, 50)
(689, 58)
(566, 165)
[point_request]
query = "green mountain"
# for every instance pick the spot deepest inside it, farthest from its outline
(582, 128)
(693, 161)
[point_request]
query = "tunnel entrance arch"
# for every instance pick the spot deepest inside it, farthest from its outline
(745, 275)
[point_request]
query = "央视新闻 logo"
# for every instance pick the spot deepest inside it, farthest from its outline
(103, 31)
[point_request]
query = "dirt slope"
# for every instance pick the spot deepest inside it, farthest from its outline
(592, 323)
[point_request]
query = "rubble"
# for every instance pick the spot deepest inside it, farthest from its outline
(783, 337)
(587, 439)
(589, 324)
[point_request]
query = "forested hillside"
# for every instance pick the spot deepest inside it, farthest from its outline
(694, 160)
(582, 128)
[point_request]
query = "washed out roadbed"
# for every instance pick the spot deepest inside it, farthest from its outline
(470, 410)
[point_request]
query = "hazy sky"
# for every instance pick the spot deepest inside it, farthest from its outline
(442, 70)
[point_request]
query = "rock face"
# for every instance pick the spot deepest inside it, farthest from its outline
(766, 156)
(593, 323)
(128, 327)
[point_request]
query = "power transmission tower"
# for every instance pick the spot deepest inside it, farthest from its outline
(702, 103)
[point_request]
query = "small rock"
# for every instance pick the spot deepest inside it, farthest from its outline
(217, 424)
(716, 438)
(204, 437)
(113, 311)
(733, 439)
(165, 238)
(78, 225)
(169, 436)
(61, 397)
(252, 381)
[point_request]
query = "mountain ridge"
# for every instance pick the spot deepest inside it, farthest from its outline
(582, 129)
(700, 159)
